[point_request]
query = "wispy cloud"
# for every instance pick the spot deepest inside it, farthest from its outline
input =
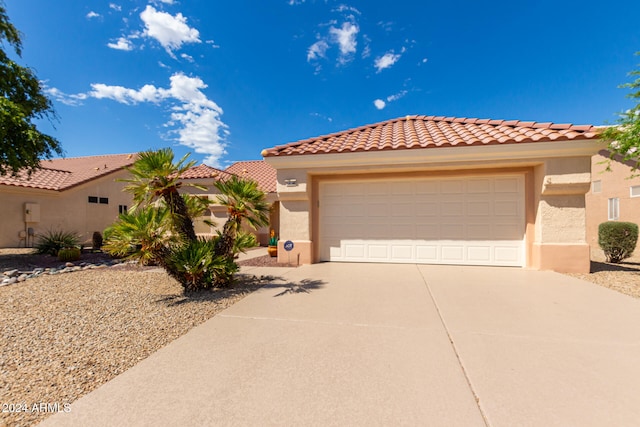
(317, 50)
(295, 2)
(93, 14)
(122, 43)
(385, 61)
(381, 104)
(115, 7)
(195, 120)
(169, 30)
(345, 37)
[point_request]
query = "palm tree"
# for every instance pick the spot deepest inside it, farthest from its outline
(156, 176)
(244, 201)
(143, 234)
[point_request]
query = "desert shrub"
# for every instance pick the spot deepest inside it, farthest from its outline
(244, 240)
(69, 254)
(617, 239)
(195, 264)
(54, 240)
(96, 240)
(143, 235)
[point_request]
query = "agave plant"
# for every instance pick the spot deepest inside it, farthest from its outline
(53, 240)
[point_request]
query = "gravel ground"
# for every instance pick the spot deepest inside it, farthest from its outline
(63, 336)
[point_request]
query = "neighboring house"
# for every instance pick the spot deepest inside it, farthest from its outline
(440, 190)
(78, 194)
(614, 195)
(265, 175)
(206, 176)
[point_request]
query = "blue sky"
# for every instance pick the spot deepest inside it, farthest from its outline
(225, 79)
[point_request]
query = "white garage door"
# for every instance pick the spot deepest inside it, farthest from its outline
(469, 221)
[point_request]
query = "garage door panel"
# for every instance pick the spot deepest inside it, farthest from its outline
(471, 220)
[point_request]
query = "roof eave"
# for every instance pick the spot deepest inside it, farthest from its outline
(472, 153)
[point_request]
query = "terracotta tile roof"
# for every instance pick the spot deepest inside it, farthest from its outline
(259, 170)
(62, 174)
(432, 132)
(203, 172)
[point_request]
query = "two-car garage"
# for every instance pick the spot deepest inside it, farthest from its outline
(472, 220)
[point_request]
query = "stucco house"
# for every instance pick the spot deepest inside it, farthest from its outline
(206, 176)
(76, 194)
(442, 190)
(614, 196)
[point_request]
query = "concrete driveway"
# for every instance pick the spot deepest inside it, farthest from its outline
(367, 344)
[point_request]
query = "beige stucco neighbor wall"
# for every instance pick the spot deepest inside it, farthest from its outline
(615, 183)
(557, 174)
(67, 210)
(218, 214)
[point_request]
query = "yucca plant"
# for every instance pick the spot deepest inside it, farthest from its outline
(53, 240)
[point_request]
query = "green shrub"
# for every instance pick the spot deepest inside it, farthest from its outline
(51, 242)
(69, 254)
(617, 239)
(195, 265)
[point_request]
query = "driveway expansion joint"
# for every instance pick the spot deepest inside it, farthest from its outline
(455, 350)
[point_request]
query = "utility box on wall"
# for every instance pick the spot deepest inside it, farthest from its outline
(31, 212)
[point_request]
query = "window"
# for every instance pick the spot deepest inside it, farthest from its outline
(634, 191)
(596, 187)
(122, 209)
(104, 200)
(614, 209)
(93, 199)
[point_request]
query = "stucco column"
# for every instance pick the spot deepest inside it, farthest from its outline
(560, 226)
(295, 220)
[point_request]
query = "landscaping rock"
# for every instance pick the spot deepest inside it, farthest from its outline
(10, 273)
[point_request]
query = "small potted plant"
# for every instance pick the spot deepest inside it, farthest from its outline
(273, 244)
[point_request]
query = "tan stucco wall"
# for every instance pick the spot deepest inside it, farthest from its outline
(554, 199)
(615, 183)
(218, 214)
(66, 211)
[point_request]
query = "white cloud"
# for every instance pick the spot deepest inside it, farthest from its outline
(187, 57)
(164, 1)
(385, 61)
(345, 37)
(92, 14)
(396, 96)
(115, 7)
(170, 31)
(121, 44)
(195, 119)
(58, 95)
(380, 104)
(295, 2)
(317, 50)
(345, 8)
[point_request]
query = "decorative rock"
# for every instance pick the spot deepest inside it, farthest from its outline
(38, 270)
(22, 278)
(69, 264)
(12, 280)
(10, 273)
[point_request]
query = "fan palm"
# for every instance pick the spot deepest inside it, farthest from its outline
(142, 234)
(244, 201)
(155, 175)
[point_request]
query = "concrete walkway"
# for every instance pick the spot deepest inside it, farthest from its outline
(366, 344)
